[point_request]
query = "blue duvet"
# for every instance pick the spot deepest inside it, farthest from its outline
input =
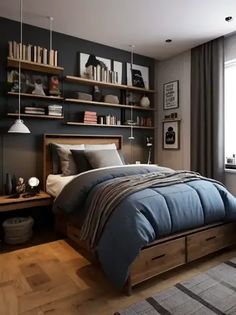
(145, 215)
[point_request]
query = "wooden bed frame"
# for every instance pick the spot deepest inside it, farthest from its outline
(159, 256)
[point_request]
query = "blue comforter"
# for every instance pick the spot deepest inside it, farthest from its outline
(146, 215)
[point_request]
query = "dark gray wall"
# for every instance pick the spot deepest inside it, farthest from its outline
(22, 154)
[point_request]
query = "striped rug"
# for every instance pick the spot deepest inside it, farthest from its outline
(212, 292)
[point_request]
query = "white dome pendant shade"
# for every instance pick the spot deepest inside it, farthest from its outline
(19, 126)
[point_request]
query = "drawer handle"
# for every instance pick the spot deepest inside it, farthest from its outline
(75, 235)
(158, 257)
(210, 238)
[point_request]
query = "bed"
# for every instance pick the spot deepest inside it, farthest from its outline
(153, 257)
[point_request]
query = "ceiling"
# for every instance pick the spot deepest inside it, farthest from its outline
(143, 23)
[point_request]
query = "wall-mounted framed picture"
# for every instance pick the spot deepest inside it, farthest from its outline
(171, 95)
(171, 134)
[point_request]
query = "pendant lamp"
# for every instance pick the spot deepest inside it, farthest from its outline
(131, 137)
(19, 126)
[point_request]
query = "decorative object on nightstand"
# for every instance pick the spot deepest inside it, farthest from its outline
(19, 126)
(8, 184)
(149, 146)
(33, 183)
(20, 185)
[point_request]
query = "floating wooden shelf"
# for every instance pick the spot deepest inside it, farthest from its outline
(80, 80)
(35, 116)
(34, 66)
(73, 100)
(74, 123)
(47, 97)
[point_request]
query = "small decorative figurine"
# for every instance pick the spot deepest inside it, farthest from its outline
(54, 85)
(20, 185)
(38, 87)
(97, 95)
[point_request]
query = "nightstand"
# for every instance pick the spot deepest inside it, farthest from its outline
(11, 204)
(42, 233)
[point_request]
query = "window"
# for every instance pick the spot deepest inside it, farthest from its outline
(230, 113)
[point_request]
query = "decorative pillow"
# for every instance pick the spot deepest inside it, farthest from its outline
(67, 163)
(103, 158)
(81, 161)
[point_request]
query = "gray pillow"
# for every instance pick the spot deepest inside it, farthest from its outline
(68, 165)
(103, 158)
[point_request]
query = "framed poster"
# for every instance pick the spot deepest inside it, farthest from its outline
(171, 135)
(171, 95)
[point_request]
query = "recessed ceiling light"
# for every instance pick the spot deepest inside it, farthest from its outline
(229, 19)
(168, 40)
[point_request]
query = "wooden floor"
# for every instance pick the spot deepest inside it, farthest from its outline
(53, 279)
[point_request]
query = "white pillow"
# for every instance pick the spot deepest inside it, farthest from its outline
(110, 146)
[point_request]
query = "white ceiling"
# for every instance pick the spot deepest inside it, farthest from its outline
(143, 23)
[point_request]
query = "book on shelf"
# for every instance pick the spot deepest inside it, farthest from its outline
(51, 57)
(28, 52)
(10, 49)
(35, 54)
(55, 110)
(55, 58)
(31, 53)
(45, 56)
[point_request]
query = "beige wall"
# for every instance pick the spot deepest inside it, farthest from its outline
(177, 68)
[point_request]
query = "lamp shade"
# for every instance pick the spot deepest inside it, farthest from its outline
(18, 127)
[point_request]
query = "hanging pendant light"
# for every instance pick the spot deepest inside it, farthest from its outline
(131, 137)
(19, 126)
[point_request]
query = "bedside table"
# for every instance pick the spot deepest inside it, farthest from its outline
(11, 204)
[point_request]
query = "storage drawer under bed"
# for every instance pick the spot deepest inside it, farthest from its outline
(209, 241)
(158, 259)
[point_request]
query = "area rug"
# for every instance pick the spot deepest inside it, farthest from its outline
(211, 292)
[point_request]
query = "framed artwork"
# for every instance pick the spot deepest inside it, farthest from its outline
(171, 95)
(91, 60)
(140, 76)
(170, 135)
(118, 67)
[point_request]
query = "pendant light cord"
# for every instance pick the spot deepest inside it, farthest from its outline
(21, 40)
(50, 30)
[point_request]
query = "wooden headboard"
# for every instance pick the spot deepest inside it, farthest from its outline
(73, 139)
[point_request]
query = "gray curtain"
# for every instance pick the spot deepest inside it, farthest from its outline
(207, 109)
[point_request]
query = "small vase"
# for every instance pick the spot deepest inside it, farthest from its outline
(8, 185)
(145, 102)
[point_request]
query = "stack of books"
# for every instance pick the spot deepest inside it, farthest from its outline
(99, 73)
(34, 110)
(55, 110)
(32, 53)
(90, 117)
